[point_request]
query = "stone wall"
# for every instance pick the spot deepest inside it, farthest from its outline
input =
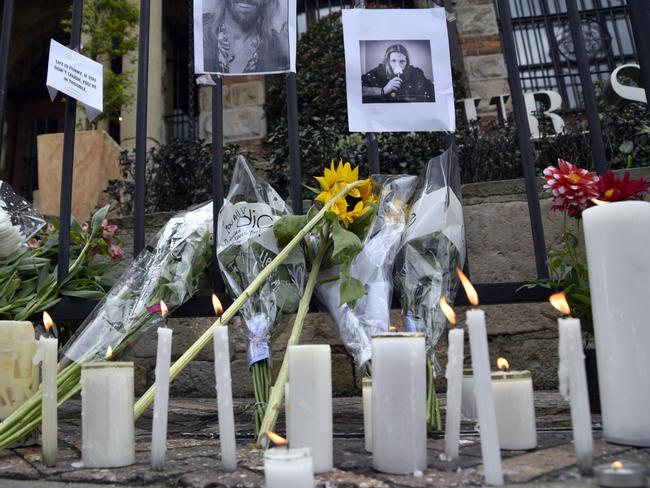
(499, 250)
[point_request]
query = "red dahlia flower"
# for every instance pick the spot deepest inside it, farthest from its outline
(572, 187)
(614, 189)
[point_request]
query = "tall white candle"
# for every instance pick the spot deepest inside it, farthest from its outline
(161, 400)
(107, 431)
(224, 397)
(310, 377)
(284, 467)
(399, 431)
(617, 238)
(573, 387)
(48, 349)
(366, 395)
(515, 409)
(454, 375)
(484, 397)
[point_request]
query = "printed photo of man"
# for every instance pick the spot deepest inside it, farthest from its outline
(245, 36)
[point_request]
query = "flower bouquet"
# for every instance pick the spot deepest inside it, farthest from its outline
(245, 245)
(432, 247)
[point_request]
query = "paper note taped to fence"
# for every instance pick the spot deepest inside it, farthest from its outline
(77, 76)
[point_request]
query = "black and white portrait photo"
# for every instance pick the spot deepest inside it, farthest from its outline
(234, 37)
(404, 73)
(398, 70)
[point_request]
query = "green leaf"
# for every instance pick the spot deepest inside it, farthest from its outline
(346, 244)
(287, 227)
(85, 294)
(98, 218)
(351, 288)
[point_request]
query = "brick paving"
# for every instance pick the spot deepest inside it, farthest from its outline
(193, 454)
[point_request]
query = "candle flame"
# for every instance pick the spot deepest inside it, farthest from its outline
(216, 304)
(595, 201)
(448, 311)
(109, 352)
(48, 323)
(392, 328)
(616, 465)
(164, 311)
(502, 364)
(276, 439)
(558, 300)
(472, 296)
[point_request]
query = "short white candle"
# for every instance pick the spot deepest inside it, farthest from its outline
(366, 393)
(454, 375)
(617, 239)
(224, 397)
(107, 424)
(310, 396)
(399, 431)
(573, 387)
(285, 468)
(515, 409)
(48, 349)
(161, 400)
(490, 449)
(18, 373)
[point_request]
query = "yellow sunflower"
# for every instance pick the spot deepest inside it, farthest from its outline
(357, 200)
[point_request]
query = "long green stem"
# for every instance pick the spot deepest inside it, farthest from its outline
(146, 400)
(277, 392)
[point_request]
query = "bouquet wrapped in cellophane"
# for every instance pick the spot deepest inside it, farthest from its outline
(372, 266)
(432, 246)
(245, 245)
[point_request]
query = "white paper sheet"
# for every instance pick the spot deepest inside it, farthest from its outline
(423, 98)
(273, 49)
(77, 76)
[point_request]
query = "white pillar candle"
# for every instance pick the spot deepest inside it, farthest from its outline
(484, 397)
(366, 394)
(617, 239)
(515, 409)
(48, 349)
(18, 374)
(285, 467)
(107, 431)
(161, 400)
(468, 402)
(224, 397)
(287, 410)
(399, 431)
(310, 396)
(454, 375)
(573, 387)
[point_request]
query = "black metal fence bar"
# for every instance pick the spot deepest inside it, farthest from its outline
(217, 171)
(141, 128)
(595, 130)
(5, 41)
(65, 209)
(294, 144)
(640, 18)
(523, 130)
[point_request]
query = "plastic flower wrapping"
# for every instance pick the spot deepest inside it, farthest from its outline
(372, 266)
(245, 245)
(168, 269)
(19, 220)
(432, 246)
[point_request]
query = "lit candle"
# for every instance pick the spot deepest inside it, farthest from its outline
(224, 391)
(161, 400)
(107, 431)
(366, 392)
(284, 467)
(399, 432)
(515, 407)
(310, 377)
(573, 383)
(18, 373)
(454, 375)
(617, 239)
(48, 350)
(621, 473)
(483, 395)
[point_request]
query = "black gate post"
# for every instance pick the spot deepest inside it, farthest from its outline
(5, 41)
(141, 128)
(217, 172)
(523, 131)
(65, 208)
(595, 130)
(294, 144)
(640, 19)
